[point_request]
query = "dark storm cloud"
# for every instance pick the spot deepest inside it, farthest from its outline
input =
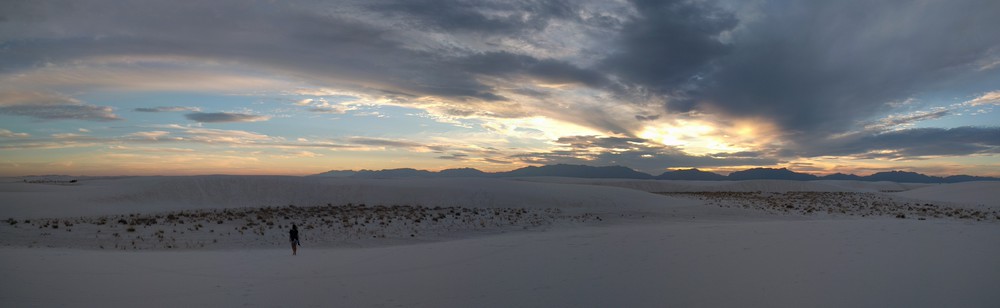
(546, 70)
(317, 41)
(499, 17)
(818, 67)
(670, 43)
(814, 67)
(915, 142)
(222, 117)
(635, 153)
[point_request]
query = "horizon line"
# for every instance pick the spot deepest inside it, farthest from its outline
(821, 174)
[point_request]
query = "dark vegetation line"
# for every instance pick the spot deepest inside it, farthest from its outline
(267, 226)
(838, 203)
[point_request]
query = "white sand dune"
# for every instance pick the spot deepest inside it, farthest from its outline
(837, 263)
(982, 193)
(691, 254)
(866, 186)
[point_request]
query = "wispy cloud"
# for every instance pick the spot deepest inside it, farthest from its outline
(988, 98)
(454, 156)
(62, 112)
(899, 121)
(384, 142)
(299, 154)
(122, 148)
(167, 109)
(149, 135)
(208, 135)
(9, 134)
(52, 106)
(66, 136)
(223, 117)
(380, 142)
(322, 106)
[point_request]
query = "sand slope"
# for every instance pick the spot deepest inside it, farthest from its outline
(736, 258)
(839, 263)
(985, 193)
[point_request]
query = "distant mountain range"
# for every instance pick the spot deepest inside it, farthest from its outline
(619, 172)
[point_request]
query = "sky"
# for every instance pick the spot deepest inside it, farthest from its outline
(302, 87)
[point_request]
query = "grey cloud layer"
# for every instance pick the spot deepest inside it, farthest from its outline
(814, 67)
(52, 106)
(474, 16)
(914, 143)
(670, 43)
(820, 66)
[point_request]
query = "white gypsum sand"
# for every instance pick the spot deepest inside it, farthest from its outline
(648, 250)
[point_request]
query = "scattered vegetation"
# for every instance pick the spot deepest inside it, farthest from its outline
(838, 203)
(321, 225)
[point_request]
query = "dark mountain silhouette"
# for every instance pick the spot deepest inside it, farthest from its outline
(337, 173)
(903, 176)
(691, 175)
(578, 171)
(619, 172)
(393, 173)
(462, 172)
(770, 174)
(841, 176)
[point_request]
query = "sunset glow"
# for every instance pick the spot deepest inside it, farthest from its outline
(105, 88)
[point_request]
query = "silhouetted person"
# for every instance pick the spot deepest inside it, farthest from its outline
(293, 236)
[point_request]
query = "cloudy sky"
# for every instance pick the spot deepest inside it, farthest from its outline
(276, 87)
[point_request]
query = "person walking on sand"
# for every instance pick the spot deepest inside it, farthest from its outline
(293, 236)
